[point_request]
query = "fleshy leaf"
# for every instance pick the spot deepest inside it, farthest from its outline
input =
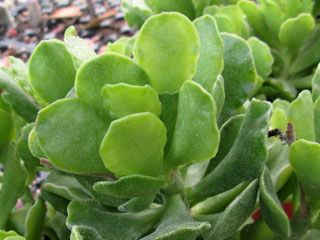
(137, 204)
(130, 186)
(291, 7)
(134, 145)
(194, 141)
(236, 213)
(87, 185)
(229, 132)
(177, 223)
(183, 6)
(64, 186)
(123, 99)
(95, 223)
(262, 56)
(167, 48)
(278, 163)
(278, 119)
(219, 202)
(79, 50)
(75, 233)
(309, 53)
(20, 102)
(225, 24)
(305, 160)
(257, 22)
(210, 62)
(51, 71)
(19, 72)
(108, 68)
(168, 115)
(316, 84)
(218, 94)
(13, 183)
(35, 220)
(200, 5)
(123, 46)
(34, 146)
(70, 133)
(302, 116)
(7, 130)
(294, 32)
(271, 209)
(273, 16)
(239, 74)
(136, 12)
(23, 148)
(241, 163)
(316, 118)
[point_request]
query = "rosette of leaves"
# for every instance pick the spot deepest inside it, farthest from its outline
(167, 144)
(288, 27)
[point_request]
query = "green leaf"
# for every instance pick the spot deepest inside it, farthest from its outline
(123, 45)
(194, 141)
(130, 186)
(242, 163)
(4, 235)
(87, 185)
(13, 183)
(137, 204)
(183, 6)
(13, 95)
(305, 160)
(19, 72)
(59, 203)
(309, 54)
(239, 74)
(238, 211)
(51, 71)
(317, 117)
(109, 68)
(34, 146)
(292, 8)
(312, 234)
(294, 32)
(228, 132)
(210, 63)
(35, 220)
(262, 57)
(75, 233)
(96, 223)
(218, 94)
(224, 24)
(219, 202)
(122, 99)
(200, 5)
(58, 224)
(168, 115)
(278, 163)
(271, 209)
(134, 145)
(257, 22)
(258, 230)
(64, 186)
(316, 84)
(167, 48)
(301, 114)
(23, 148)
(273, 16)
(177, 223)
(79, 50)
(7, 130)
(70, 32)
(136, 12)
(70, 133)
(278, 119)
